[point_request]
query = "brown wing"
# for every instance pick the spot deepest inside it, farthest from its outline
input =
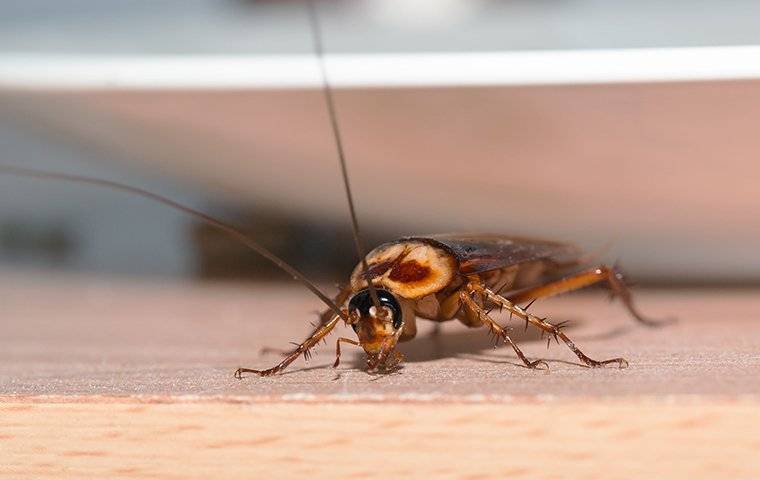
(481, 253)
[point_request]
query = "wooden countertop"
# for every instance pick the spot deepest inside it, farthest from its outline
(133, 379)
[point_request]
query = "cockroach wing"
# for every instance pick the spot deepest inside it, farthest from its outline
(482, 253)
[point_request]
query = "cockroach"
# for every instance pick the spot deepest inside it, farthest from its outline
(433, 277)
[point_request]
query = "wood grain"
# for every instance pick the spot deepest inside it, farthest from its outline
(120, 378)
(379, 440)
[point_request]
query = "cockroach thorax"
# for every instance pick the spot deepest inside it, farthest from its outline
(410, 269)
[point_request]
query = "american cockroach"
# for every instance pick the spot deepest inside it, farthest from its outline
(433, 277)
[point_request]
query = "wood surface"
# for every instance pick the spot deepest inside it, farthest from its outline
(115, 378)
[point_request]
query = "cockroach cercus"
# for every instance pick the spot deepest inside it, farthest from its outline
(433, 277)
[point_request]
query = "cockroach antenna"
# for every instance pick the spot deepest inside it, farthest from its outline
(316, 32)
(460, 272)
(231, 230)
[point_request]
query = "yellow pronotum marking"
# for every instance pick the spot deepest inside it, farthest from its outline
(408, 269)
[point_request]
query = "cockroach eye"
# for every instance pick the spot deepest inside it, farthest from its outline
(397, 321)
(362, 303)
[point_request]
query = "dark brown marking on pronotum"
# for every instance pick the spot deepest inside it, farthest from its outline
(435, 277)
(409, 271)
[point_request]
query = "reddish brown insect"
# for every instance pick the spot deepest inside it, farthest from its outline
(442, 277)
(445, 277)
(434, 277)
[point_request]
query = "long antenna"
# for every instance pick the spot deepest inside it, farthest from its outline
(223, 226)
(316, 32)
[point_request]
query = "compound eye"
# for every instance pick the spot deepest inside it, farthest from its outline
(397, 320)
(388, 300)
(362, 303)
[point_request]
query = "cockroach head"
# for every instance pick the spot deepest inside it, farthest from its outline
(378, 329)
(361, 306)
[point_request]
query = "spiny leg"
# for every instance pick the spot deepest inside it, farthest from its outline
(612, 275)
(497, 329)
(337, 348)
(324, 317)
(554, 330)
(301, 349)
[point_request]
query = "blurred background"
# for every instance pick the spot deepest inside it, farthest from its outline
(595, 122)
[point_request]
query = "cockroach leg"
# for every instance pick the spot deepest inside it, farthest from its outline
(301, 349)
(603, 273)
(497, 329)
(337, 348)
(276, 351)
(553, 330)
(324, 317)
